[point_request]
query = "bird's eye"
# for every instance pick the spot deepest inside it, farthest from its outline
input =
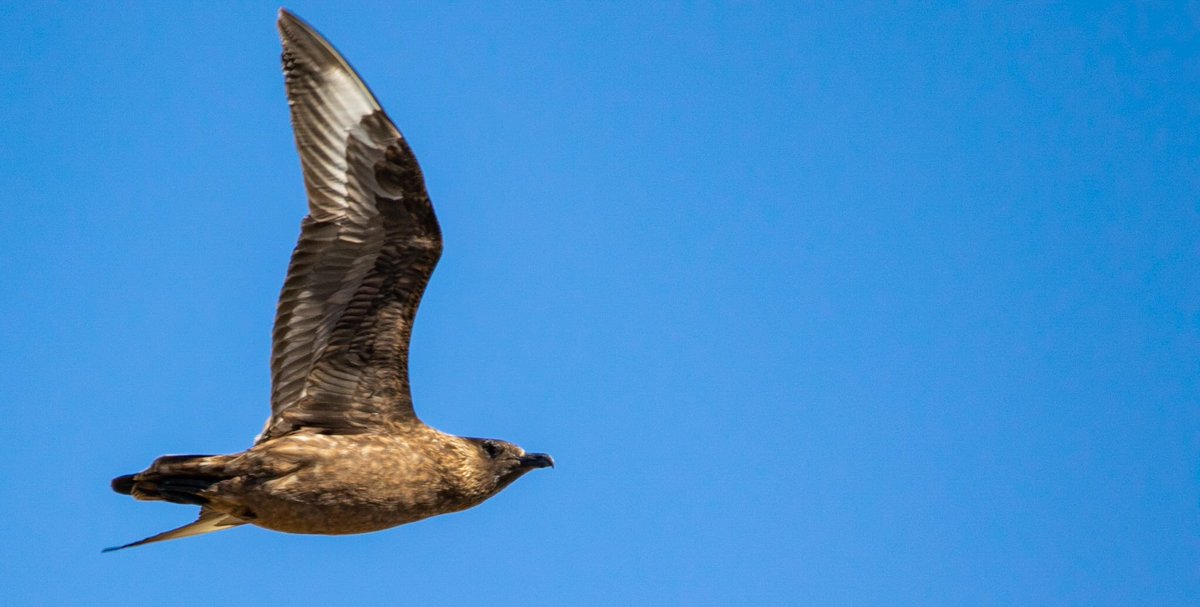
(492, 449)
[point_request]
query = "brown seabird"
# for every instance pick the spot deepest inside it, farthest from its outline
(343, 451)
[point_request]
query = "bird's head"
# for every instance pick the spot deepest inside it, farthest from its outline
(507, 461)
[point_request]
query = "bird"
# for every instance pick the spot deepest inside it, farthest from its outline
(343, 450)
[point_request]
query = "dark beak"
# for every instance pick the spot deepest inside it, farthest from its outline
(537, 460)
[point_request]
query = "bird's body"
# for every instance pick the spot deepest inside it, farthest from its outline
(331, 484)
(343, 450)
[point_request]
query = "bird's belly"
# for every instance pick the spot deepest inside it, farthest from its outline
(328, 519)
(335, 511)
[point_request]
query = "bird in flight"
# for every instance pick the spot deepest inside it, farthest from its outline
(343, 451)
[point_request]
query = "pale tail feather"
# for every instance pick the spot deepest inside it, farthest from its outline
(208, 522)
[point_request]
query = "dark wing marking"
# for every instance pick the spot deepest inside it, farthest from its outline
(339, 360)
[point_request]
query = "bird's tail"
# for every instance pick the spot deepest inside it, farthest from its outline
(181, 479)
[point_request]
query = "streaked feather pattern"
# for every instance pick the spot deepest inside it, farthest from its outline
(366, 251)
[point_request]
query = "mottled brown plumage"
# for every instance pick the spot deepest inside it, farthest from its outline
(343, 451)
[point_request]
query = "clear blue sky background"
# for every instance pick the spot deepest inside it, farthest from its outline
(832, 305)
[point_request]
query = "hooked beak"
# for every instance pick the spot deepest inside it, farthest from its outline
(537, 460)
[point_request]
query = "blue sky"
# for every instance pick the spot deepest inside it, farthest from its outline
(833, 304)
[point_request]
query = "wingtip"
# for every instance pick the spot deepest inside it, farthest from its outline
(141, 542)
(283, 18)
(294, 31)
(287, 18)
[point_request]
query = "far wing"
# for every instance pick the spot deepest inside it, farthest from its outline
(339, 360)
(208, 522)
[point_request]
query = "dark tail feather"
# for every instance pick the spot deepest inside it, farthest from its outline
(123, 484)
(175, 478)
(184, 489)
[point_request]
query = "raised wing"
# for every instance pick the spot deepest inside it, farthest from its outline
(339, 360)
